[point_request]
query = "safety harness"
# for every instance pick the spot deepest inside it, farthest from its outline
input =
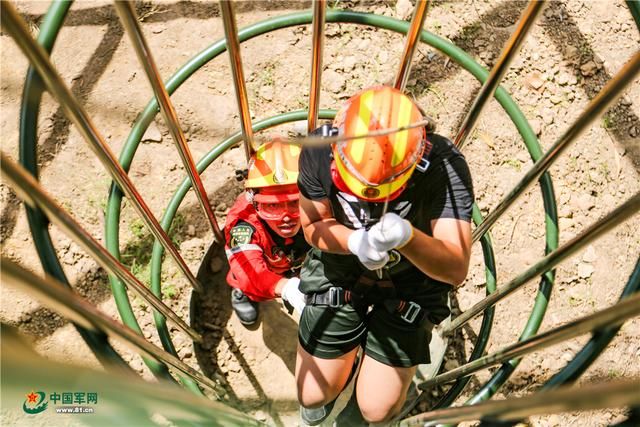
(367, 292)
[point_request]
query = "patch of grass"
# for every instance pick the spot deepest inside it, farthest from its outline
(169, 290)
(514, 163)
(266, 77)
(607, 122)
(137, 253)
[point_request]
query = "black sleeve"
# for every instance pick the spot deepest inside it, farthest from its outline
(452, 190)
(309, 181)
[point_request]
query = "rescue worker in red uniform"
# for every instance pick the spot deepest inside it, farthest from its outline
(263, 241)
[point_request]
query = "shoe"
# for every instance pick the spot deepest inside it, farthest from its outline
(313, 417)
(245, 309)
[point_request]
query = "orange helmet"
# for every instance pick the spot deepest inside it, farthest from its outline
(375, 168)
(273, 172)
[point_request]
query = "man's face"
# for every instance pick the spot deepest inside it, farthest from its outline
(286, 227)
(282, 217)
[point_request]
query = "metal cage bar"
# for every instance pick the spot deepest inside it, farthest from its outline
(597, 106)
(413, 36)
(14, 25)
(68, 304)
(130, 22)
(29, 190)
(510, 50)
(564, 399)
(233, 47)
(612, 316)
(317, 48)
(594, 231)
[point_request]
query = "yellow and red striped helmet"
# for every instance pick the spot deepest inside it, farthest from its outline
(274, 167)
(375, 168)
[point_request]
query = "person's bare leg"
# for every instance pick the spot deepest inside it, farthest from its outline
(320, 381)
(382, 389)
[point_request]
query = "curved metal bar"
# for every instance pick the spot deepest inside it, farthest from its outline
(510, 50)
(70, 305)
(233, 47)
(129, 20)
(413, 36)
(319, 12)
(612, 316)
(29, 190)
(594, 231)
(597, 106)
(565, 399)
(14, 25)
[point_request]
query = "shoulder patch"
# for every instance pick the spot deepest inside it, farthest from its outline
(240, 235)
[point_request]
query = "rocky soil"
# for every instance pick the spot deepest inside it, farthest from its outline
(574, 48)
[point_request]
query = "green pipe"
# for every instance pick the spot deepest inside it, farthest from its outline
(38, 222)
(634, 8)
(446, 47)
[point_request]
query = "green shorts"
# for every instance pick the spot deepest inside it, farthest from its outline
(328, 333)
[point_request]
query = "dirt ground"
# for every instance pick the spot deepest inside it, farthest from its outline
(574, 48)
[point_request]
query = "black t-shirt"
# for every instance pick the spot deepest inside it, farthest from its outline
(440, 187)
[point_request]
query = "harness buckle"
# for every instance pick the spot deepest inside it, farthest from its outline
(334, 297)
(412, 312)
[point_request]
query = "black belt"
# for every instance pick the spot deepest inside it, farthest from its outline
(335, 297)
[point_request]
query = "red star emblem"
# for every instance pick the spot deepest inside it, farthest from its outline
(32, 397)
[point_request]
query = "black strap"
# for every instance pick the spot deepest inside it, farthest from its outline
(408, 311)
(333, 297)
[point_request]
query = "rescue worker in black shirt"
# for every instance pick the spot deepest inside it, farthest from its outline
(377, 281)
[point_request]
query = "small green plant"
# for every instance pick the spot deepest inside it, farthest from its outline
(169, 290)
(514, 163)
(607, 122)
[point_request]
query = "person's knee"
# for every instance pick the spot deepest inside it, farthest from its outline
(376, 412)
(313, 396)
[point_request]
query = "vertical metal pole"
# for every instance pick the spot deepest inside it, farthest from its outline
(487, 90)
(317, 47)
(15, 27)
(596, 107)
(128, 17)
(233, 47)
(413, 35)
(31, 193)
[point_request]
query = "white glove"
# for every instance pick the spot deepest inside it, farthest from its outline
(391, 232)
(292, 294)
(359, 246)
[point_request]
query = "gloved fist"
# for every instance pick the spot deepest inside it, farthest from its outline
(391, 232)
(359, 246)
(292, 295)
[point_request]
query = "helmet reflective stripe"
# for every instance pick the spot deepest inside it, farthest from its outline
(401, 138)
(376, 167)
(274, 163)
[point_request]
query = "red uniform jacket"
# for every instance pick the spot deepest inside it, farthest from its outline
(256, 260)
